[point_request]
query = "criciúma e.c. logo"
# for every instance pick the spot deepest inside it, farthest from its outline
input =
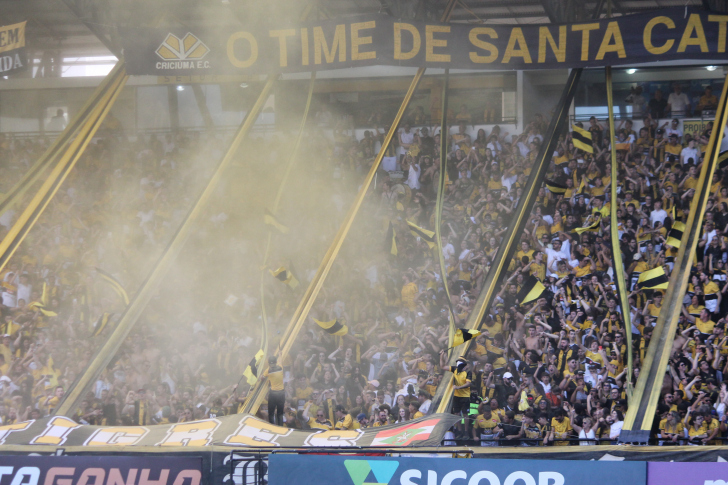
(185, 53)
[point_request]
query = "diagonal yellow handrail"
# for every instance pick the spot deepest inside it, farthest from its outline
(38, 168)
(640, 414)
(40, 200)
(145, 292)
(255, 397)
(614, 237)
(508, 245)
(299, 318)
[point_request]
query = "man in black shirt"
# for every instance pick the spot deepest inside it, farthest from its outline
(657, 105)
(511, 429)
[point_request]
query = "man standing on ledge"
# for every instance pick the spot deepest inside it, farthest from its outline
(277, 394)
(461, 393)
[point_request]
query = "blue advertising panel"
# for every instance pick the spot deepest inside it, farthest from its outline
(99, 470)
(349, 470)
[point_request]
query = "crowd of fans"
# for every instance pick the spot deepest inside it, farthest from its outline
(541, 373)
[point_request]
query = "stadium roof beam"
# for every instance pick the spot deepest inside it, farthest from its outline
(94, 28)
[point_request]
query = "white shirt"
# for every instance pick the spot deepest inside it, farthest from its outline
(413, 176)
(23, 292)
(405, 138)
(657, 216)
(447, 251)
(389, 164)
(585, 436)
(615, 429)
(677, 132)
(9, 300)
(689, 153)
(553, 255)
(678, 102)
(425, 406)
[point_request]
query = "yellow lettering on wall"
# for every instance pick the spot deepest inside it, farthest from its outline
(612, 42)
(56, 432)
(117, 436)
(517, 38)
(544, 36)
(334, 437)
(337, 45)
(194, 433)
(722, 21)
(585, 30)
(6, 430)
(304, 46)
(282, 47)
(255, 432)
(486, 46)
(431, 43)
(357, 42)
(416, 41)
(694, 25)
(253, 49)
(647, 35)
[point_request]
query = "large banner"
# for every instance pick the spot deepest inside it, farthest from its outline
(263, 48)
(687, 473)
(343, 470)
(238, 430)
(12, 48)
(110, 470)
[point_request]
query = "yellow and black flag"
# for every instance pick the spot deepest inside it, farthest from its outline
(251, 372)
(654, 279)
(271, 220)
(101, 323)
(333, 327)
(115, 285)
(531, 290)
(36, 305)
(674, 237)
(582, 139)
(427, 236)
(390, 240)
(462, 335)
(590, 228)
(282, 274)
(723, 159)
(555, 187)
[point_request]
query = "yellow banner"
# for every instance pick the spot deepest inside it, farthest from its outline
(692, 126)
(12, 37)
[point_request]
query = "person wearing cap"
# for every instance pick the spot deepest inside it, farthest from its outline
(673, 148)
(362, 421)
(461, 390)
(277, 393)
(343, 418)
